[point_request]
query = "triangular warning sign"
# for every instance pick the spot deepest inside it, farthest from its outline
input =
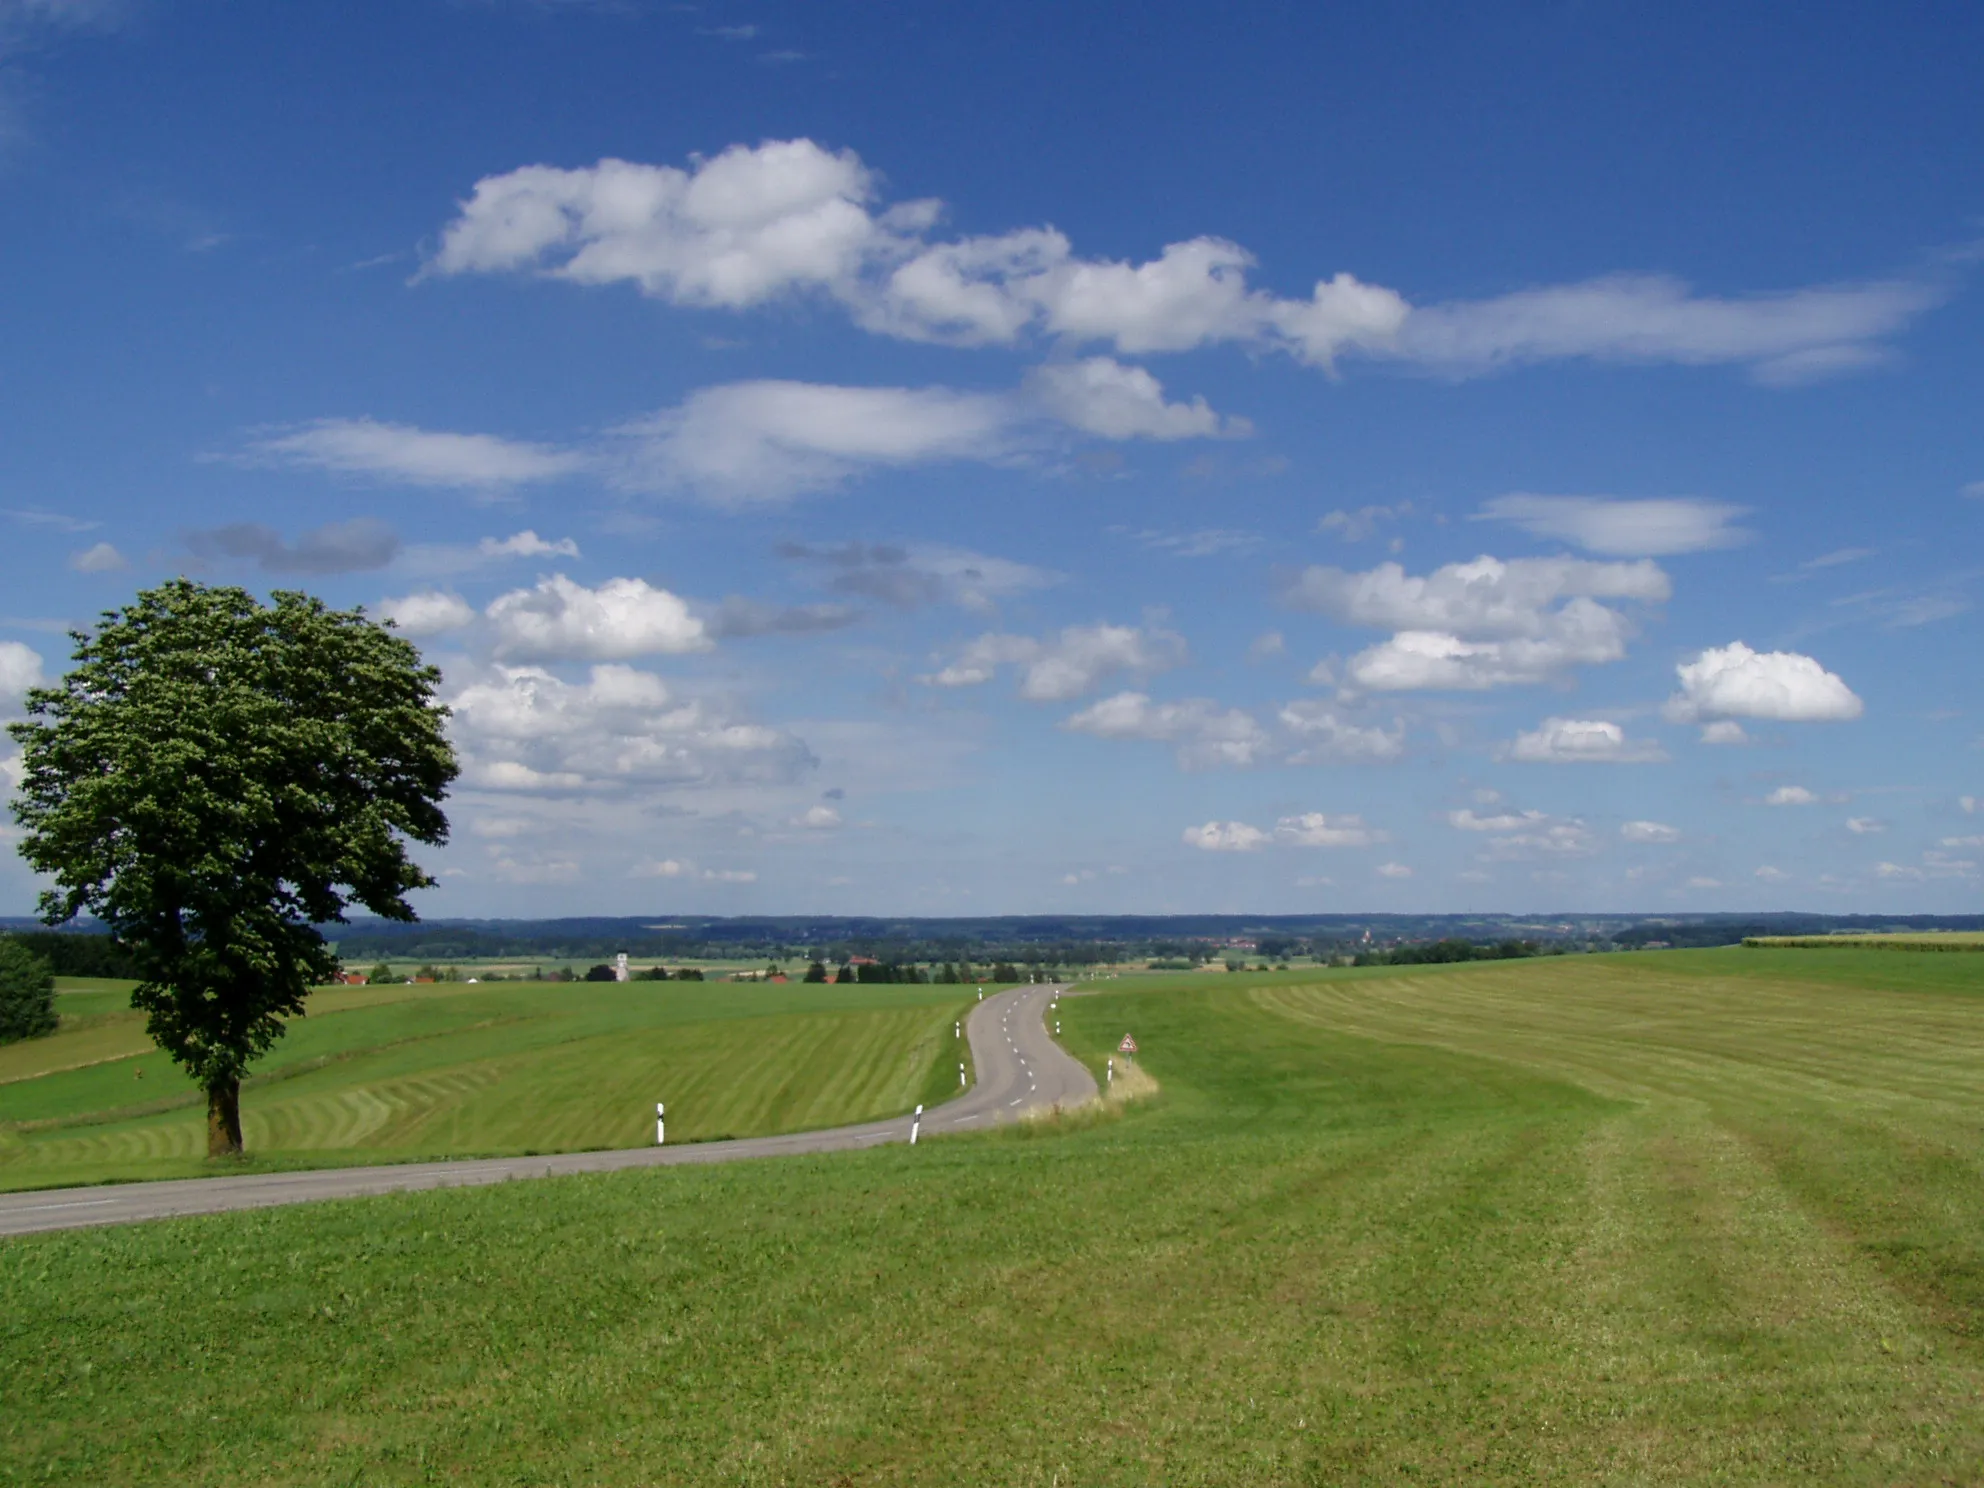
(1128, 1046)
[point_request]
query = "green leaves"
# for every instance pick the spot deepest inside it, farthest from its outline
(27, 993)
(213, 779)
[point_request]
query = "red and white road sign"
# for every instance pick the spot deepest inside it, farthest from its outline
(1128, 1046)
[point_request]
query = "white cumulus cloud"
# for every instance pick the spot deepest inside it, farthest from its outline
(738, 229)
(1648, 831)
(1103, 397)
(791, 218)
(1865, 826)
(1724, 731)
(1323, 736)
(1565, 741)
(1514, 836)
(1205, 733)
(1735, 682)
(428, 613)
(527, 544)
(1208, 735)
(1067, 665)
(20, 669)
(1229, 836)
(1469, 820)
(98, 558)
(1307, 829)
(679, 868)
(1481, 624)
(521, 728)
(1790, 795)
(1581, 633)
(621, 619)
(1486, 596)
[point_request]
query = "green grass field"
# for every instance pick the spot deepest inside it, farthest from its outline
(1682, 1217)
(1921, 940)
(380, 1074)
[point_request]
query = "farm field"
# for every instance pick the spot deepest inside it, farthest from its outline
(394, 1073)
(1681, 1217)
(1923, 940)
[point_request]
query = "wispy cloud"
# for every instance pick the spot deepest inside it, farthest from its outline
(746, 443)
(1904, 607)
(405, 455)
(337, 547)
(1361, 523)
(1615, 527)
(1206, 542)
(54, 521)
(739, 618)
(908, 576)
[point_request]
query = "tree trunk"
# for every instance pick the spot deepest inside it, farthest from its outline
(224, 1117)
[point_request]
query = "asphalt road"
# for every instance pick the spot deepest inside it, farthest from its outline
(1020, 1067)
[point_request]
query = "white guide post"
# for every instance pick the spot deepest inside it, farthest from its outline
(660, 1126)
(960, 1074)
(1112, 1069)
(915, 1125)
(957, 1028)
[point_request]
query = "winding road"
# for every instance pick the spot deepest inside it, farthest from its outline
(1020, 1067)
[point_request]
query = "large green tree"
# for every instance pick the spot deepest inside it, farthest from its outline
(214, 779)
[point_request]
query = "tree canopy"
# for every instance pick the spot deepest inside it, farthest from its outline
(213, 779)
(27, 993)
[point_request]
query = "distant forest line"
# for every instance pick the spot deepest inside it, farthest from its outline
(1023, 940)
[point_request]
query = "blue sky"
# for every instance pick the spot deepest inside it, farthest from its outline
(944, 459)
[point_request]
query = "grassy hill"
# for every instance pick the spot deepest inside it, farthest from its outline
(1684, 1217)
(393, 1073)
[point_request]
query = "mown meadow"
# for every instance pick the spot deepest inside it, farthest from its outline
(1680, 1217)
(394, 1073)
